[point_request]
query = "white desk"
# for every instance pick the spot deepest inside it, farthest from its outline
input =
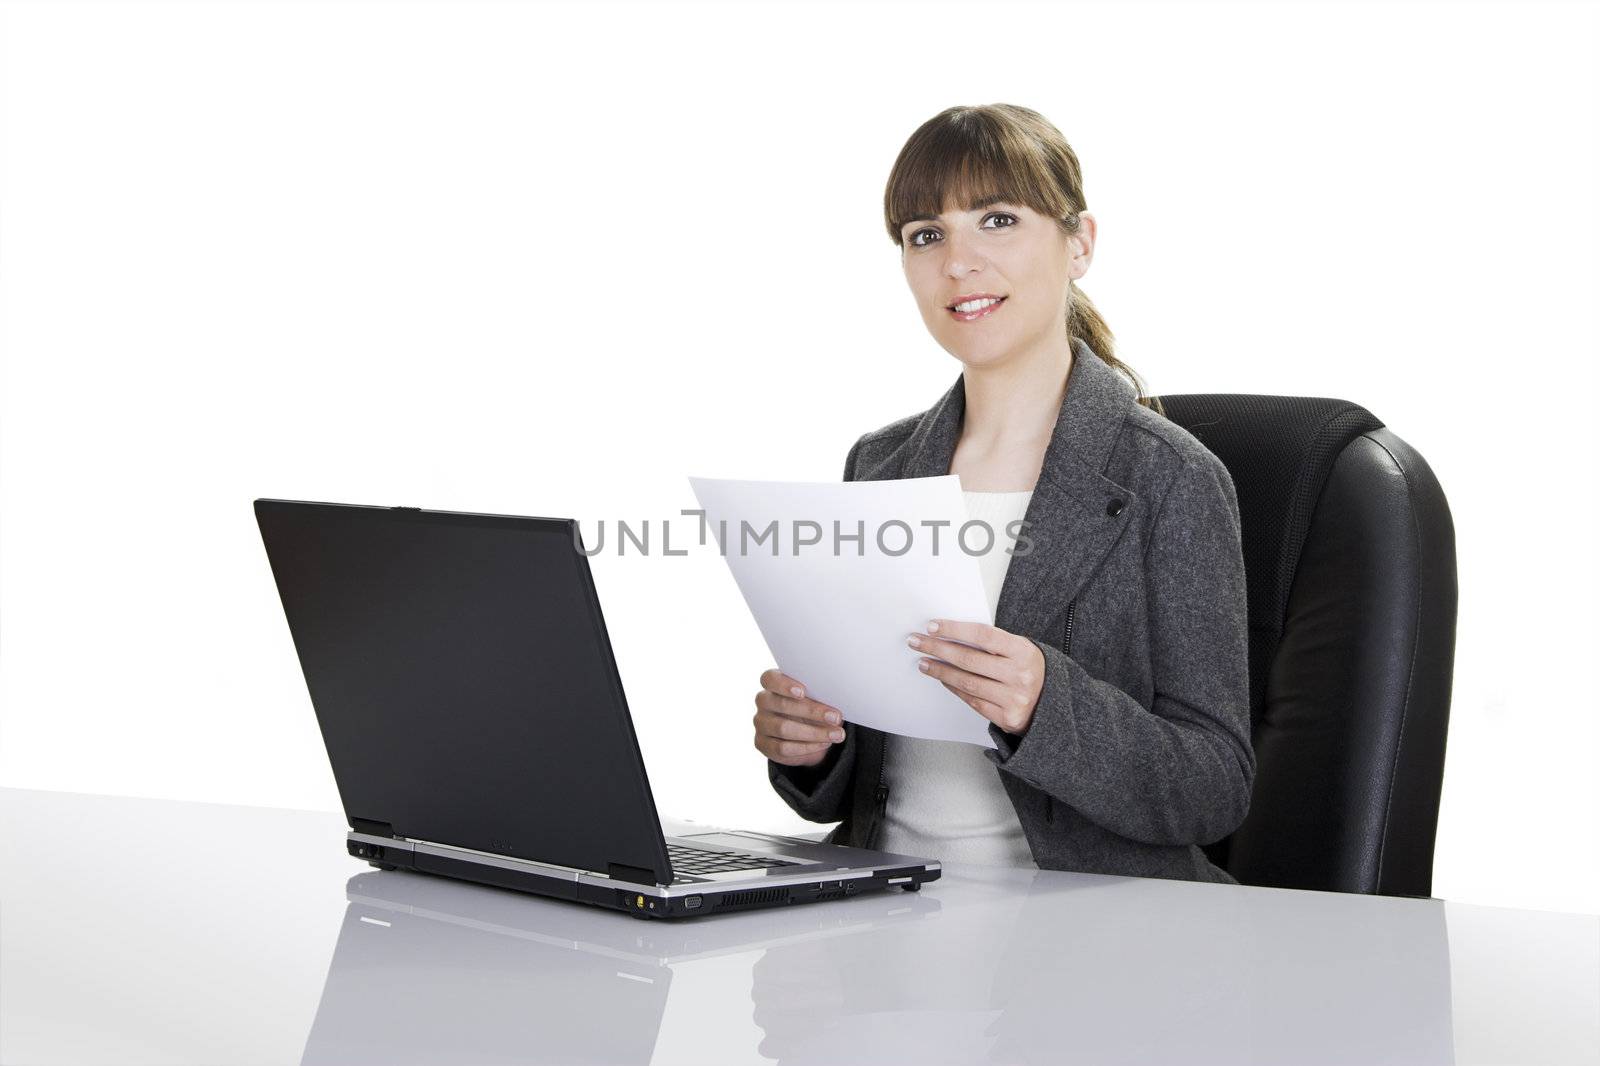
(145, 931)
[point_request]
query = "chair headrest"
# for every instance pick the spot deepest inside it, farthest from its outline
(1278, 450)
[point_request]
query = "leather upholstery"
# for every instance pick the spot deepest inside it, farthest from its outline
(1349, 553)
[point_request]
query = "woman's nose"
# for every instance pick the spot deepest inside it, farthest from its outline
(960, 258)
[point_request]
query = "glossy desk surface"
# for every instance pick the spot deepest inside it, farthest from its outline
(148, 931)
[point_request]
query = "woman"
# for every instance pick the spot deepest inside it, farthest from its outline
(1115, 678)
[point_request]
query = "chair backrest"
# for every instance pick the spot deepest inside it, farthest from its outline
(1350, 567)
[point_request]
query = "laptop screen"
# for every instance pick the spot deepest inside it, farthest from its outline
(463, 680)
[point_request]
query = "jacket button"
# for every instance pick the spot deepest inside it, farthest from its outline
(1114, 508)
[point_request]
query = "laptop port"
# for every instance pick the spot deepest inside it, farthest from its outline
(691, 903)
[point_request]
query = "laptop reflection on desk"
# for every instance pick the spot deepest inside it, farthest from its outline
(429, 970)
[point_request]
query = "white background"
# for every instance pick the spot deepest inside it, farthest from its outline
(551, 259)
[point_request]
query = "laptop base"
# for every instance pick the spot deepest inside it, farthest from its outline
(694, 898)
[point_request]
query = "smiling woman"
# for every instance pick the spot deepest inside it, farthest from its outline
(1114, 679)
(1005, 176)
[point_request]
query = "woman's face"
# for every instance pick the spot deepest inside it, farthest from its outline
(999, 249)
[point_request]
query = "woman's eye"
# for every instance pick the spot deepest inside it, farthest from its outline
(912, 240)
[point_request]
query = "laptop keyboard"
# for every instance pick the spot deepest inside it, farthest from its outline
(690, 860)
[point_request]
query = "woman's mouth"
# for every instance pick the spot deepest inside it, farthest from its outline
(976, 309)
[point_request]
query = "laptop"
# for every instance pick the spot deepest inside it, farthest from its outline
(474, 717)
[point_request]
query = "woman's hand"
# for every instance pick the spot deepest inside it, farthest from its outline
(791, 729)
(1000, 677)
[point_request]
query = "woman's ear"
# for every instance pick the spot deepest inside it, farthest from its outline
(1080, 246)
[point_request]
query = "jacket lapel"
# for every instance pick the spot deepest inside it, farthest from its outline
(1069, 520)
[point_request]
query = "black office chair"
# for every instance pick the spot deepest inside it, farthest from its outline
(1350, 567)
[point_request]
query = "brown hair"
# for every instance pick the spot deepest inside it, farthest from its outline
(964, 154)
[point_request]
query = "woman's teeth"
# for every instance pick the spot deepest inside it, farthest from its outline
(973, 309)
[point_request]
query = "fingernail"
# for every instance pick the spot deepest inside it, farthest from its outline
(833, 716)
(922, 664)
(838, 734)
(796, 690)
(933, 627)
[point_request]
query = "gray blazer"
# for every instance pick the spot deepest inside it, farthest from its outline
(1139, 747)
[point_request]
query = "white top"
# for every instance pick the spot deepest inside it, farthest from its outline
(946, 799)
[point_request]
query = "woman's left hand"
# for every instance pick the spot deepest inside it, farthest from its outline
(1000, 676)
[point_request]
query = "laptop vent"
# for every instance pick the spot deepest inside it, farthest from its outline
(751, 898)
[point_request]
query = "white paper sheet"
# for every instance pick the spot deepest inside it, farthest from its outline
(837, 620)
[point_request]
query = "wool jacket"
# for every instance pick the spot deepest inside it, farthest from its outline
(1134, 591)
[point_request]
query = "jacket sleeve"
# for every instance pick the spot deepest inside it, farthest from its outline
(1181, 771)
(821, 793)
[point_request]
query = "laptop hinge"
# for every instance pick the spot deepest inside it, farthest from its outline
(371, 828)
(618, 871)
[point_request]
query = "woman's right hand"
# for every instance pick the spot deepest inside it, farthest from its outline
(791, 729)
